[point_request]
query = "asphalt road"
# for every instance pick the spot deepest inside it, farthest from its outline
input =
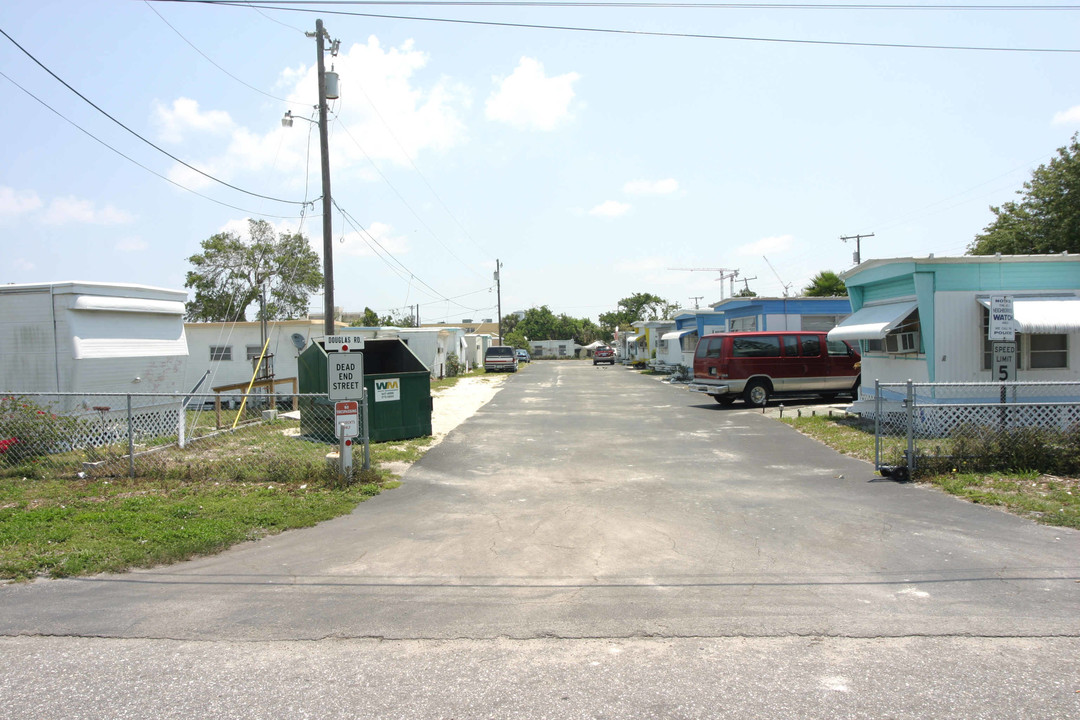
(592, 543)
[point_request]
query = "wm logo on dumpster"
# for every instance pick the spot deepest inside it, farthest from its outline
(388, 390)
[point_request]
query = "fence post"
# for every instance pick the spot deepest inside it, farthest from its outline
(131, 440)
(367, 436)
(877, 424)
(910, 430)
(181, 424)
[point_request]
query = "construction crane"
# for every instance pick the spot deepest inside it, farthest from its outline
(725, 274)
(786, 286)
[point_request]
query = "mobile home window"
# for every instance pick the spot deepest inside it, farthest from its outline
(253, 351)
(820, 323)
(1034, 352)
(743, 324)
(220, 353)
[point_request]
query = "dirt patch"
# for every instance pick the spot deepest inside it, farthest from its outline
(454, 405)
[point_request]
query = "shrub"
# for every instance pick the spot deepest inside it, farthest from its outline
(453, 365)
(29, 430)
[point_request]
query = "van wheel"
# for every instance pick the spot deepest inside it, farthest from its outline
(724, 399)
(756, 393)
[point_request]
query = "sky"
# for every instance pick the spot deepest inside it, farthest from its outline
(590, 164)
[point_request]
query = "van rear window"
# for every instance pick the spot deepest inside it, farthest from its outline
(767, 346)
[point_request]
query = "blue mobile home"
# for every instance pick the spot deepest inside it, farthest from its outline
(927, 319)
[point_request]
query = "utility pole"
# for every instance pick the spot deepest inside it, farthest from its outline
(324, 148)
(417, 314)
(695, 299)
(857, 257)
(498, 295)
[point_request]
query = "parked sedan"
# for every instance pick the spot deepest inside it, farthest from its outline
(522, 355)
(603, 355)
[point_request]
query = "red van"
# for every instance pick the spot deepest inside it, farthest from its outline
(757, 365)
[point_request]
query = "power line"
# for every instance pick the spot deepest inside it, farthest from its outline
(402, 197)
(417, 169)
(140, 137)
(639, 33)
(359, 228)
(211, 61)
(651, 5)
(139, 164)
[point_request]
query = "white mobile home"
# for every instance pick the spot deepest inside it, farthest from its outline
(221, 354)
(92, 337)
(475, 347)
(85, 337)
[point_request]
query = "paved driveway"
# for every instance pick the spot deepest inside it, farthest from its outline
(596, 502)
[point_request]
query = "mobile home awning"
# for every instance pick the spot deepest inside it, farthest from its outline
(873, 322)
(676, 334)
(1044, 315)
(634, 338)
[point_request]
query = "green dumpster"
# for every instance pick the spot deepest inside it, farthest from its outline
(398, 392)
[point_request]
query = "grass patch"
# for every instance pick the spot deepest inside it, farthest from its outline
(182, 503)
(449, 382)
(1044, 498)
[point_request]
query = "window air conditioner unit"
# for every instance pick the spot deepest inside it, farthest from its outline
(906, 342)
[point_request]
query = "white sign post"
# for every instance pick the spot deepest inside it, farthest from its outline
(347, 426)
(345, 387)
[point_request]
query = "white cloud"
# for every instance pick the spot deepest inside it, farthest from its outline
(528, 99)
(611, 208)
(185, 115)
(1068, 117)
(21, 265)
(386, 117)
(764, 246)
(131, 244)
(70, 209)
(647, 187)
(12, 203)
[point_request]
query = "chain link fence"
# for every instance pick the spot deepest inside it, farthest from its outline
(923, 428)
(219, 436)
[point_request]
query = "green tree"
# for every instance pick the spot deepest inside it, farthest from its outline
(639, 306)
(399, 318)
(825, 284)
(370, 318)
(746, 292)
(228, 273)
(1046, 220)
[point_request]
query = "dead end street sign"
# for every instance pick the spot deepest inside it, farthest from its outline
(345, 376)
